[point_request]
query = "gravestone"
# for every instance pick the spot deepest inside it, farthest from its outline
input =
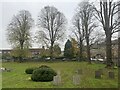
(76, 79)
(57, 80)
(111, 75)
(97, 74)
(5, 70)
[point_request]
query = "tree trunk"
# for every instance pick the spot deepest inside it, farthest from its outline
(51, 52)
(109, 61)
(21, 51)
(88, 50)
(119, 50)
(119, 39)
(81, 51)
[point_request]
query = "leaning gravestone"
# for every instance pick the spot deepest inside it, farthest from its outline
(111, 75)
(76, 79)
(98, 74)
(57, 80)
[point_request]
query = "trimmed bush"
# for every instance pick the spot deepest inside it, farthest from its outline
(43, 74)
(30, 70)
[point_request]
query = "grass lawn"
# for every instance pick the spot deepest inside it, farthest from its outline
(17, 78)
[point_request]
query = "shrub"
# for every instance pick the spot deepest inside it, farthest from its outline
(30, 70)
(43, 74)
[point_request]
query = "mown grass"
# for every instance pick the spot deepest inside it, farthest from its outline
(17, 78)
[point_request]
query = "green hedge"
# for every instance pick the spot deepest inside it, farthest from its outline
(30, 70)
(43, 74)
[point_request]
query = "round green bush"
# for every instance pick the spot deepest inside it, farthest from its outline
(43, 74)
(30, 70)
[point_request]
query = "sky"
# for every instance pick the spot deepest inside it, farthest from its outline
(12, 8)
(8, 8)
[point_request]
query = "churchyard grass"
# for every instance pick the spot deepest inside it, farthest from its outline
(17, 78)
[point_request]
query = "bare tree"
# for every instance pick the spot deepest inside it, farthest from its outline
(42, 39)
(18, 31)
(79, 33)
(97, 37)
(119, 37)
(119, 50)
(106, 15)
(53, 22)
(86, 14)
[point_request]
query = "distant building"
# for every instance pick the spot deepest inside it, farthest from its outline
(34, 51)
(99, 51)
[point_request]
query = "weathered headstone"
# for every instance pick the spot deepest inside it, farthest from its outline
(2, 69)
(5, 70)
(57, 80)
(111, 75)
(98, 74)
(76, 79)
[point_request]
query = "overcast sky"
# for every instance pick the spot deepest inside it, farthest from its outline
(12, 8)
(8, 8)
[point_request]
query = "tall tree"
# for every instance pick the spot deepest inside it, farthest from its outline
(119, 50)
(119, 37)
(53, 23)
(18, 31)
(86, 15)
(106, 15)
(68, 52)
(79, 33)
(97, 37)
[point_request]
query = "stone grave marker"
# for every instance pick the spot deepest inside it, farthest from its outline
(57, 80)
(76, 79)
(5, 70)
(97, 74)
(111, 75)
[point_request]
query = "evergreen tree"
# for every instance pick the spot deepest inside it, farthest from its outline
(68, 52)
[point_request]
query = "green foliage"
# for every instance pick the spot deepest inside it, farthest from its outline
(5, 56)
(30, 70)
(45, 52)
(68, 52)
(17, 52)
(75, 47)
(56, 51)
(43, 74)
